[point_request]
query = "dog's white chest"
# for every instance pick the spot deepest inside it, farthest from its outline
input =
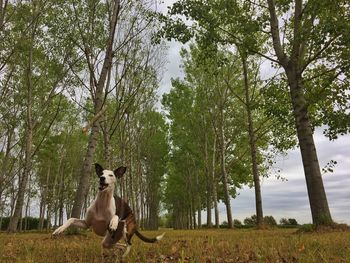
(100, 213)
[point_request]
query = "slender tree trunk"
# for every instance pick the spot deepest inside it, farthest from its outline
(253, 148)
(27, 213)
(28, 143)
(61, 197)
(194, 214)
(44, 199)
(209, 182)
(214, 188)
(5, 162)
(54, 194)
(199, 213)
(27, 209)
(223, 171)
(84, 181)
(48, 216)
(106, 141)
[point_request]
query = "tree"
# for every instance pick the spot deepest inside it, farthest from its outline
(51, 77)
(312, 55)
(98, 100)
(209, 24)
(154, 152)
(292, 221)
(298, 58)
(31, 59)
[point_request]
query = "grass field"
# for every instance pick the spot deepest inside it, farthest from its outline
(279, 245)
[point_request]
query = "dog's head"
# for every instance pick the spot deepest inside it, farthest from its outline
(108, 177)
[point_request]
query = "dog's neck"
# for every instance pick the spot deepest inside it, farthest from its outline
(104, 199)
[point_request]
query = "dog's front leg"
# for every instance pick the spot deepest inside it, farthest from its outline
(113, 224)
(71, 222)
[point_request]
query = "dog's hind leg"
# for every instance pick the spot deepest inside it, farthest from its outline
(127, 239)
(128, 247)
(71, 222)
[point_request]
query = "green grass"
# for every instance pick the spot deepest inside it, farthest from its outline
(244, 245)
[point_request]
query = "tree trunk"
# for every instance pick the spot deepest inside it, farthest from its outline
(214, 188)
(223, 171)
(27, 209)
(61, 197)
(317, 195)
(28, 144)
(209, 182)
(199, 214)
(5, 162)
(98, 103)
(44, 200)
(253, 148)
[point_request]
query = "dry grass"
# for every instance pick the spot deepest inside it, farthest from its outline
(279, 245)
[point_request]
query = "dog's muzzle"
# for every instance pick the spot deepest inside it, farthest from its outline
(103, 185)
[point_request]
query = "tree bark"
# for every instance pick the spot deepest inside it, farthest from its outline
(223, 170)
(209, 183)
(253, 148)
(44, 199)
(314, 182)
(214, 186)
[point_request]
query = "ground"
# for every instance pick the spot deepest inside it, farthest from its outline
(278, 245)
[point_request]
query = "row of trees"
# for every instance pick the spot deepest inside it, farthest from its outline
(66, 63)
(62, 64)
(227, 120)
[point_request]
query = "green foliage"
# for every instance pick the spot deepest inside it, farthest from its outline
(237, 223)
(250, 221)
(270, 221)
(28, 223)
(224, 224)
(289, 221)
(307, 228)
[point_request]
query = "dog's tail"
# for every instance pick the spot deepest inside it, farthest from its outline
(149, 240)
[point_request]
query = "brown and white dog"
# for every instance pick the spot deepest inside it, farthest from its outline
(109, 215)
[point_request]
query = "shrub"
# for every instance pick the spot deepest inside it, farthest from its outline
(237, 223)
(288, 222)
(270, 221)
(32, 223)
(250, 221)
(224, 224)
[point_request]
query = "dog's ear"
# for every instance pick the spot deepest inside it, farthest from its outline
(98, 169)
(119, 171)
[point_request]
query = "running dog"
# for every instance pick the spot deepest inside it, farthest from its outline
(109, 215)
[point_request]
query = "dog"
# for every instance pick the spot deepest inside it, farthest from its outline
(109, 216)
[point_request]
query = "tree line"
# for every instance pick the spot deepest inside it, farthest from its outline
(97, 64)
(227, 118)
(61, 65)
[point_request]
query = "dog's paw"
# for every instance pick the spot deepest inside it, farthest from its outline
(113, 225)
(58, 231)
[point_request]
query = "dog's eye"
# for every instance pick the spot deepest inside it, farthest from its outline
(111, 175)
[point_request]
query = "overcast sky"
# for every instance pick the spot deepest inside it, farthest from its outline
(288, 198)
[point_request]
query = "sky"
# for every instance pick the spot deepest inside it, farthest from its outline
(283, 198)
